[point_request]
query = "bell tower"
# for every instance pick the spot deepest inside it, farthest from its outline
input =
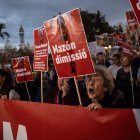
(21, 35)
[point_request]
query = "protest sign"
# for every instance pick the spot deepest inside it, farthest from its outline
(40, 50)
(136, 7)
(22, 69)
(132, 21)
(68, 45)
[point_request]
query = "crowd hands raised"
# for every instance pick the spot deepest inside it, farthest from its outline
(115, 85)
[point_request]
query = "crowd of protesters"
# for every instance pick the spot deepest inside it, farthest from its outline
(116, 84)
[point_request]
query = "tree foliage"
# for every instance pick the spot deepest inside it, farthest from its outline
(3, 34)
(95, 24)
(25, 52)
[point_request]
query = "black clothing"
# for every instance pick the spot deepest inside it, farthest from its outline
(124, 84)
(113, 100)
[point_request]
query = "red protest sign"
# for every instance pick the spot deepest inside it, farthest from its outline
(69, 45)
(40, 50)
(136, 7)
(22, 69)
(131, 20)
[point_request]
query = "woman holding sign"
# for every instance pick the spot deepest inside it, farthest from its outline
(67, 93)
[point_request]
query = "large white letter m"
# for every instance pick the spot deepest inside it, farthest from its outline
(8, 135)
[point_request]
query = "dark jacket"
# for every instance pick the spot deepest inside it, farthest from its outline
(123, 83)
(113, 100)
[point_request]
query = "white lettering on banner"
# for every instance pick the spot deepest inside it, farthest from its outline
(23, 74)
(131, 21)
(71, 57)
(138, 4)
(41, 46)
(41, 56)
(64, 47)
(20, 70)
(40, 64)
(8, 135)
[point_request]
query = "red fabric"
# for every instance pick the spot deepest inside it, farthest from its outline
(51, 122)
(136, 7)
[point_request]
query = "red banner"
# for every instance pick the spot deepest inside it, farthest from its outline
(131, 20)
(136, 7)
(40, 50)
(38, 121)
(69, 45)
(22, 69)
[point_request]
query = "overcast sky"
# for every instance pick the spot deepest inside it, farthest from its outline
(32, 13)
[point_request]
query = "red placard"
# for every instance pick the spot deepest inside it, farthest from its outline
(36, 121)
(40, 50)
(131, 20)
(69, 45)
(22, 69)
(136, 7)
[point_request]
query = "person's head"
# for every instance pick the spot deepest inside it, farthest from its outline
(125, 60)
(99, 83)
(62, 82)
(50, 67)
(101, 58)
(62, 28)
(116, 59)
(2, 77)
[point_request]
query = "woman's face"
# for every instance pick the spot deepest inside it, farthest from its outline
(125, 60)
(95, 86)
(2, 79)
(62, 82)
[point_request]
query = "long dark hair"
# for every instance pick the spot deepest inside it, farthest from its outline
(7, 85)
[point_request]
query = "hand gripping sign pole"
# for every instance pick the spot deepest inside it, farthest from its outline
(22, 69)
(69, 47)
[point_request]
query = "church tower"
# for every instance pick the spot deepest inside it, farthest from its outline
(21, 35)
